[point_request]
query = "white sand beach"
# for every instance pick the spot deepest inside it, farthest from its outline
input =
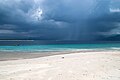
(104, 65)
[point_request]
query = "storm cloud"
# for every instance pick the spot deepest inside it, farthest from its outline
(84, 20)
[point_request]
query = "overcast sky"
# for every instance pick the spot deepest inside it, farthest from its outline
(59, 19)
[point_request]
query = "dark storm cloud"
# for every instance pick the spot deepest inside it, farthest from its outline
(59, 20)
(89, 19)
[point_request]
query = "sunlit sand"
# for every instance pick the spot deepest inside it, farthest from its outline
(104, 65)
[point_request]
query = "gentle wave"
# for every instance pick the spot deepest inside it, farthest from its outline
(115, 48)
(53, 48)
(59, 50)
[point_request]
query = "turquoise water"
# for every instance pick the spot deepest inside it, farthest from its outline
(59, 47)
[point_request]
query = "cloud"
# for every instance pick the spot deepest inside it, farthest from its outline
(115, 10)
(6, 32)
(58, 20)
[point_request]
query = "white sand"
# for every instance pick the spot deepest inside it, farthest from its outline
(76, 66)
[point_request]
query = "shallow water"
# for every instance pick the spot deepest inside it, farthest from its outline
(59, 47)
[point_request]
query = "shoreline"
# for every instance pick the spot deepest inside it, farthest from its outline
(6, 56)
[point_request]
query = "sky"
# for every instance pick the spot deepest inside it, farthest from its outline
(75, 20)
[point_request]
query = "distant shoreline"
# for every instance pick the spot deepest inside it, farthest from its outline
(16, 40)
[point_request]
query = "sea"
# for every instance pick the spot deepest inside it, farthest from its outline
(59, 47)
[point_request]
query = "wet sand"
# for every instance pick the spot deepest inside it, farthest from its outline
(5, 56)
